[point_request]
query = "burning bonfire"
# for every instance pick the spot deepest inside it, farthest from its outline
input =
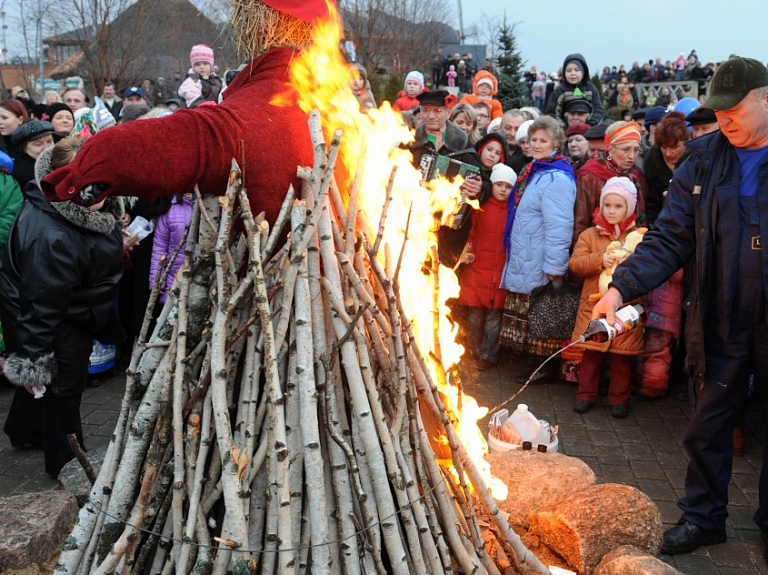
(294, 410)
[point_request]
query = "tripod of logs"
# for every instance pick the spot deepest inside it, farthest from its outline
(280, 418)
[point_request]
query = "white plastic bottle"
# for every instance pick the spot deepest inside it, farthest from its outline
(529, 428)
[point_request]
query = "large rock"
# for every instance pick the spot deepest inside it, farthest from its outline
(587, 524)
(33, 527)
(628, 560)
(536, 480)
(73, 478)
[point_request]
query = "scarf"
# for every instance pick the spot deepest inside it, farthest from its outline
(613, 231)
(554, 162)
(605, 169)
(439, 137)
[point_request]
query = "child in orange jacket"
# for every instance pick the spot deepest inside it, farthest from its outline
(484, 87)
(614, 219)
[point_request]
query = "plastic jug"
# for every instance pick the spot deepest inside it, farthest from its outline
(529, 428)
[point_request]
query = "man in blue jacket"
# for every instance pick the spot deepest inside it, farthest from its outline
(714, 216)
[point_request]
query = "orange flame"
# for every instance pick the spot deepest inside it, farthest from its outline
(320, 78)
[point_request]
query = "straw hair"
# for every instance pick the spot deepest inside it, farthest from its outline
(259, 28)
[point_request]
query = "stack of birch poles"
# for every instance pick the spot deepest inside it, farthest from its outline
(280, 418)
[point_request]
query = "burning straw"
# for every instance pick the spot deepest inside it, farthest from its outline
(282, 419)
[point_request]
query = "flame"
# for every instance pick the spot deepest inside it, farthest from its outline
(320, 78)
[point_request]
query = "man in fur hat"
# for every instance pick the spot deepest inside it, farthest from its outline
(171, 155)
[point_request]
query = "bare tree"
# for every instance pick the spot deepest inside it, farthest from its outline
(30, 25)
(397, 35)
(108, 34)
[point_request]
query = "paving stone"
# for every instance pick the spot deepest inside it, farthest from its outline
(730, 555)
(637, 451)
(580, 448)
(618, 474)
(658, 490)
(604, 438)
(647, 469)
(611, 456)
(671, 459)
(694, 564)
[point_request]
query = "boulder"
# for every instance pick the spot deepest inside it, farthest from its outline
(536, 480)
(73, 479)
(33, 527)
(628, 560)
(587, 524)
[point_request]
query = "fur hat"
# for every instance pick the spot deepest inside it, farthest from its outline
(522, 131)
(494, 125)
(414, 76)
(486, 81)
(201, 53)
(503, 173)
(621, 187)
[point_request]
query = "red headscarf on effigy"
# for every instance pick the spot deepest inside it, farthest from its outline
(307, 10)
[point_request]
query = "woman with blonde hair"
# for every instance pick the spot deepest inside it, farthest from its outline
(465, 118)
(51, 97)
(537, 237)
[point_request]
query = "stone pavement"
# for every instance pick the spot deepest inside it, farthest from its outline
(644, 450)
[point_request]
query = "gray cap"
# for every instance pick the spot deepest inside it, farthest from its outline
(733, 80)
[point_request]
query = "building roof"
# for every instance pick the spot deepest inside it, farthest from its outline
(150, 39)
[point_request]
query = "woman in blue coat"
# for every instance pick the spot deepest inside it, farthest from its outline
(538, 234)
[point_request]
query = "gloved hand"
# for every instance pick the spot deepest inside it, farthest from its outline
(90, 194)
(36, 389)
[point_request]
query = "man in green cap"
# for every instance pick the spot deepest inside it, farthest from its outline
(714, 217)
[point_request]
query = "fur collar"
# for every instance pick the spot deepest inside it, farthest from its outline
(102, 221)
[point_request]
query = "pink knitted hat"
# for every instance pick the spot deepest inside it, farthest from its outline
(621, 186)
(201, 53)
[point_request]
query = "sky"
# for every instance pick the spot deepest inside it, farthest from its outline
(605, 32)
(608, 33)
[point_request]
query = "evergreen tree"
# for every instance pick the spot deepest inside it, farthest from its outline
(512, 89)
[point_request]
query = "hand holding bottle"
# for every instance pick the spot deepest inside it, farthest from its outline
(608, 304)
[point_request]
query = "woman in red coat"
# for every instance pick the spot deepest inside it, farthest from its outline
(480, 277)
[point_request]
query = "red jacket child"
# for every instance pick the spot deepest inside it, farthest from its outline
(412, 87)
(480, 278)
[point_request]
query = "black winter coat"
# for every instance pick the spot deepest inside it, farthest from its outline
(59, 280)
(699, 223)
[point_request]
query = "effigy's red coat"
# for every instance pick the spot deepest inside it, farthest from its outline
(169, 155)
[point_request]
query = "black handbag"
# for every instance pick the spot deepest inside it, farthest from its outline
(552, 310)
